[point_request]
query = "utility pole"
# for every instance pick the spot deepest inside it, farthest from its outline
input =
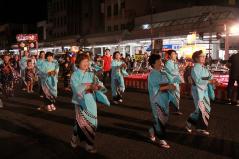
(151, 24)
(226, 55)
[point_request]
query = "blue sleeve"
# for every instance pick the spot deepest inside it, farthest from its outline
(170, 69)
(153, 86)
(77, 87)
(197, 77)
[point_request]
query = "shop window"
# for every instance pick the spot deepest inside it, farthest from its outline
(223, 15)
(109, 28)
(86, 15)
(122, 26)
(195, 19)
(116, 27)
(156, 25)
(65, 20)
(122, 5)
(116, 9)
(109, 11)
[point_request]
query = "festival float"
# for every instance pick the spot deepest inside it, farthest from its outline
(27, 42)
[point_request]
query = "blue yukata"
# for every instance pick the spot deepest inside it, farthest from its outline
(94, 67)
(117, 79)
(39, 64)
(85, 104)
(1, 61)
(49, 82)
(23, 65)
(38, 68)
(159, 102)
(175, 78)
(202, 92)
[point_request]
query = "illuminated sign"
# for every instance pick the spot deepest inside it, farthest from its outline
(27, 37)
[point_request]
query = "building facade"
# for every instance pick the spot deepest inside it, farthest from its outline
(120, 14)
(74, 17)
(9, 31)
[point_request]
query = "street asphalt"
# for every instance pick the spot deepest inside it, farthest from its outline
(27, 133)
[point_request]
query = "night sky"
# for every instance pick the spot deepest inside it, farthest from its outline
(25, 11)
(22, 11)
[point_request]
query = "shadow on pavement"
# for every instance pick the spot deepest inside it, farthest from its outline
(209, 144)
(42, 145)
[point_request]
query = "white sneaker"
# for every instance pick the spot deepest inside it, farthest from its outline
(229, 102)
(237, 103)
(164, 144)
(90, 149)
(49, 108)
(74, 141)
(115, 102)
(53, 107)
(42, 107)
(203, 132)
(120, 100)
(152, 136)
(188, 127)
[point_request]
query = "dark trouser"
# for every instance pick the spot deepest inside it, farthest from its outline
(199, 123)
(105, 75)
(66, 81)
(231, 86)
(117, 98)
(160, 135)
(39, 87)
(48, 101)
(78, 132)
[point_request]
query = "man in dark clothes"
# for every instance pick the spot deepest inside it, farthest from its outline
(233, 76)
(66, 72)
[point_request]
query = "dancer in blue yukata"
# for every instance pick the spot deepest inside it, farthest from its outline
(174, 77)
(23, 65)
(159, 87)
(49, 80)
(202, 92)
(87, 90)
(118, 71)
(39, 63)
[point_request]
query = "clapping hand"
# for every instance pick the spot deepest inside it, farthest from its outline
(123, 65)
(171, 87)
(214, 82)
(93, 87)
(51, 73)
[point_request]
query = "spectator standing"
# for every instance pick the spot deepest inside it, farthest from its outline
(107, 59)
(233, 64)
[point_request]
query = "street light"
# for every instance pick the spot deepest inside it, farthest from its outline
(146, 26)
(233, 31)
